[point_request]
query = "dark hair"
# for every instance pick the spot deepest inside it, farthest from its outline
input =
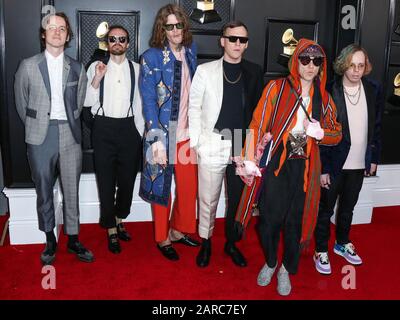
(117, 26)
(158, 38)
(234, 24)
(343, 61)
(70, 34)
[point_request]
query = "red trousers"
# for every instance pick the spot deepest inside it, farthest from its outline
(183, 216)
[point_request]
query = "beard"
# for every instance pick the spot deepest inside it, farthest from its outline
(118, 51)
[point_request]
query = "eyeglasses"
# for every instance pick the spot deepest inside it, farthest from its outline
(233, 39)
(317, 61)
(113, 39)
(53, 27)
(170, 26)
(356, 67)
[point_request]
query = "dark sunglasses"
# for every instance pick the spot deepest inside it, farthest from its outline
(233, 39)
(316, 61)
(170, 26)
(113, 39)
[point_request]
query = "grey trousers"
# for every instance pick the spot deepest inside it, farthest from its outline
(58, 156)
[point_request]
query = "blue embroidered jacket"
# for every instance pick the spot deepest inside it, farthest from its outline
(160, 87)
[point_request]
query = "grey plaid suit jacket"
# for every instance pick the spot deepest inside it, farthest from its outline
(33, 96)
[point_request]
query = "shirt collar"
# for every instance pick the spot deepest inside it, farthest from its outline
(116, 65)
(51, 58)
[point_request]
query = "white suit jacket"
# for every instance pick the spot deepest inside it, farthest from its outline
(205, 101)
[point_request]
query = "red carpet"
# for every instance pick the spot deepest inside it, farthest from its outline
(140, 272)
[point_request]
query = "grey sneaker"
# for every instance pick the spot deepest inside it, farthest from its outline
(284, 285)
(265, 275)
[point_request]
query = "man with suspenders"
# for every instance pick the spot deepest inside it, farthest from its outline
(118, 125)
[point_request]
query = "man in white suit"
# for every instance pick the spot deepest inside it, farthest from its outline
(223, 96)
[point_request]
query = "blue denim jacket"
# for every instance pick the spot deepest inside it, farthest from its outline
(160, 87)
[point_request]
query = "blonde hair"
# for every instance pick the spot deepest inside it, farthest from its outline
(343, 61)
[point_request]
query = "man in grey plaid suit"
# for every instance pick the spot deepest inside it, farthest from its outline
(49, 92)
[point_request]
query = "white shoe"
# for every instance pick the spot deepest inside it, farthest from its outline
(265, 275)
(284, 285)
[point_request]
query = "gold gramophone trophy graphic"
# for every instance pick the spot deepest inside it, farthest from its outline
(395, 97)
(290, 44)
(101, 52)
(396, 83)
(205, 12)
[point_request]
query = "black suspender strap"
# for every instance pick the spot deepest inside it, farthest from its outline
(132, 72)
(101, 93)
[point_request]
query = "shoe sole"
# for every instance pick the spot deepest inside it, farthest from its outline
(340, 253)
(81, 258)
(320, 270)
(48, 262)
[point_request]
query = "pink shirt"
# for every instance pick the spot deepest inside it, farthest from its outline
(182, 132)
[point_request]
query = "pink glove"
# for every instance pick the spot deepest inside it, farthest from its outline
(314, 129)
(246, 169)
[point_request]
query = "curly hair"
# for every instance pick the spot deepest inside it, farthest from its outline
(70, 34)
(159, 38)
(343, 61)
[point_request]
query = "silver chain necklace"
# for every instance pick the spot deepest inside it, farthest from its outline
(232, 82)
(348, 95)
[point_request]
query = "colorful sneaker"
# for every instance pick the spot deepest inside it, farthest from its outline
(322, 263)
(348, 252)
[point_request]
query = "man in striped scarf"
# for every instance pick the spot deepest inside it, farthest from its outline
(300, 115)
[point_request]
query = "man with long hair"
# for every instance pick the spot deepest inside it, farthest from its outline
(167, 69)
(359, 102)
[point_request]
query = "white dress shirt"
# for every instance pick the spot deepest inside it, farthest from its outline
(117, 90)
(55, 66)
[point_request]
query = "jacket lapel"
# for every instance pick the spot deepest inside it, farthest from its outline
(341, 108)
(66, 69)
(45, 73)
(219, 84)
(369, 96)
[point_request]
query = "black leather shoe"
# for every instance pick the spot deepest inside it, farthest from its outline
(187, 241)
(81, 252)
(122, 233)
(169, 252)
(49, 253)
(203, 257)
(113, 243)
(236, 255)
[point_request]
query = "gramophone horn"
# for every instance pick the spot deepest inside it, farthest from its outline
(102, 30)
(397, 80)
(288, 36)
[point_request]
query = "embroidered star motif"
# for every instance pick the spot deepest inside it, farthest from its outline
(166, 56)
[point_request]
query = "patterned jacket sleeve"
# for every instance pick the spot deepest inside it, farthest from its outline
(332, 128)
(260, 119)
(148, 90)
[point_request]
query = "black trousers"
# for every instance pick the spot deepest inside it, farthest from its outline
(347, 187)
(117, 156)
(281, 208)
(234, 188)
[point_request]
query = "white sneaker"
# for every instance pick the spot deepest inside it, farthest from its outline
(284, 285)
(265, 275)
